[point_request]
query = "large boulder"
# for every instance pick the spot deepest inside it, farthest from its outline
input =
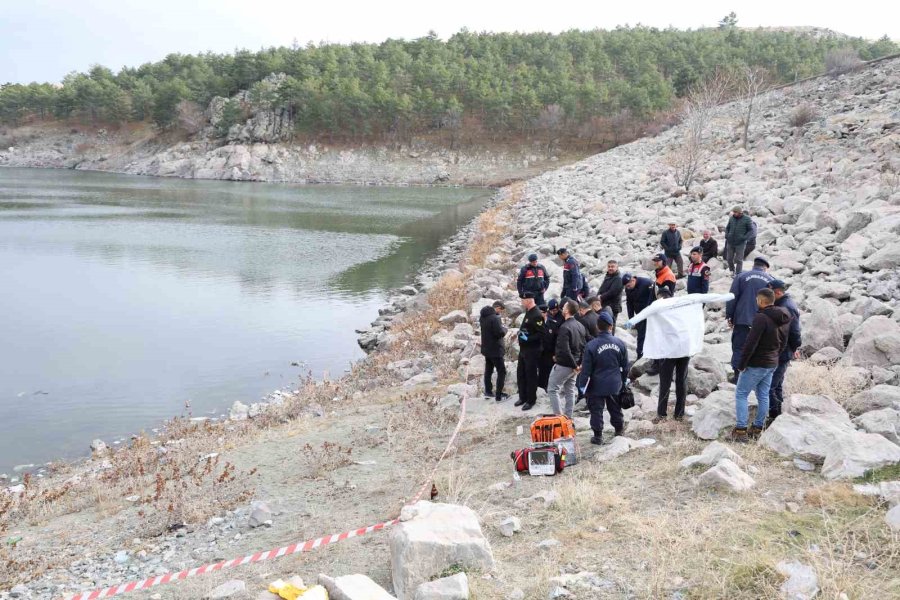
(852, 455)
(879, 396)
(886, 258)
(820, 406)
(701, 383)
(820, 327)
(875, 343)
(432, 537)
(884, 422)
(726, 475)
(715, 412)
(712, 454)
(805, 436)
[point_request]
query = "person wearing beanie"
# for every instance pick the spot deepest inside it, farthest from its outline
(791, 350)
(671, 244)
(665, 278)
(737, 233)
(698, 273)
(531, 337)
(533, 277)
(604, 371)
(741, 311)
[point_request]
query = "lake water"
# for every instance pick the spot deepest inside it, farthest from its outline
(125, 297)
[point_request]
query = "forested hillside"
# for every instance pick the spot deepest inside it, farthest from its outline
(499, 85)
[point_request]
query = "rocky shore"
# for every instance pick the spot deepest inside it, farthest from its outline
(668, 510)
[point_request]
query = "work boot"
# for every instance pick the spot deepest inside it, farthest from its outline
(739, 435)
(597, 440)
(488, 394)
(754, 432)
(619, 432)
(528, 406)
(659, 419)
(519, 402)
(502, 397)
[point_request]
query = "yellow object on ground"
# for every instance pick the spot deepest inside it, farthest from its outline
(289, 591)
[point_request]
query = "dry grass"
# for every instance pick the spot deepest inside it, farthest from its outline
(803, 114)
(822, 380)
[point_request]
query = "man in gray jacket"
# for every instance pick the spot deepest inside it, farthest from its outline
(570, 343)
(671, 244)
(737, 233)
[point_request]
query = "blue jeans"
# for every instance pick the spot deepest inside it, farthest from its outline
(752, 379)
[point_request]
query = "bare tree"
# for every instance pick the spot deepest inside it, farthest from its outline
(754, 82)
(550, 121)
(842, 60)
(688, 158)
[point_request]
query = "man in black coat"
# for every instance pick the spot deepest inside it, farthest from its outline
(531, 337)
(708, 246)
(533, 277)
(551, 328)
(791, 350)
(671, 244)
(604, 370)
(492, 333)
(638, 296)
(567, 354)
(587, 317)
(610, 291)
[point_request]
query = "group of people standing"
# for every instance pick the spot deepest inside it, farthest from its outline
(568, 346)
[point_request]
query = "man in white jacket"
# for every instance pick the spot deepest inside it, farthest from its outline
(675, 329)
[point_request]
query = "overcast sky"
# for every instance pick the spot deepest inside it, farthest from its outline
(42, 40)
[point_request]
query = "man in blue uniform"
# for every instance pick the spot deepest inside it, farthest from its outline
(573, 282)
(741, 311)
(604, 370)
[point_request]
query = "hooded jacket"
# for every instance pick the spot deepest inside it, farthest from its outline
(795, 339)
(570, 341)
(767, 338)
(492, 332)
(742, 310)
(610, 292)
(604, 367)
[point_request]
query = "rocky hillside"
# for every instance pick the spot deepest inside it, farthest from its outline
(667, 511)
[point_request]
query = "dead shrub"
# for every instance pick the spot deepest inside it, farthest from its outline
(822, 380)
(842, 60)
(328, 457)
(803, 114)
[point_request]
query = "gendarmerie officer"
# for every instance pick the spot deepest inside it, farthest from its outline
(531, 337)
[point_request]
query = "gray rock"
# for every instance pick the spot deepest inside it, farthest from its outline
(820, 327)
(227, 589)
(420, 379)
(239, 411)
(879, 396)
(808, 436)
(876, 342)
(802, 582)
(727, 476)
(821, 406)
(432, 537)
(892, 518)
(826, 355)
(259, 514)
(884, 422)
(353, 587)
(711, 455)
(455, 587)
(456, 316)
(885, 259)
(99, 447)
(852, 455)
(715, 412)
(510, 525)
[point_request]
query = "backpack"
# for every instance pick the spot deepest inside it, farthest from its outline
(549, 428)
(540, 459)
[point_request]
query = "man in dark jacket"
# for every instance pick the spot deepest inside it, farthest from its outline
(741, 311)
(492, 333)
(791, 351)
(638, 296)
(531, 334)
(573, 282)
(737, 232)
(698, 273)
(548, 344)
(533, 278)
(604, 370)
(751, 241)
(709, 246)
(759, 359)
(587, 317)
(610, 291)
(671, 244)
(570, 343)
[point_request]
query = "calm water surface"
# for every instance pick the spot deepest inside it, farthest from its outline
(124, 297)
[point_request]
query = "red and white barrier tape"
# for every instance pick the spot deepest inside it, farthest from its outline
(306, 546)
